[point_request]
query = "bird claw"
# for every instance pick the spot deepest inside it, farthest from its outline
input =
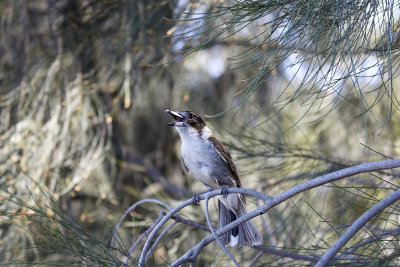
(196, 200)
(224, 191)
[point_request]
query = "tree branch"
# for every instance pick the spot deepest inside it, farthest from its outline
(217, 238)
(371, 239)
(132, 208)
(357, 225)
(191, 255)
(188, 202)
(269, 202)
(142, 236)
(159, 238)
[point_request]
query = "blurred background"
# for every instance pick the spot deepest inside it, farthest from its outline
(295, 89)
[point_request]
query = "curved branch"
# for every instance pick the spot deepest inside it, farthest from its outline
(159, 238)
(142, 236)
(170, 214)
(371, 239)
(216, 237)
(363, 219)
(269, 202)
(188, 202)
(191, 255)
(131, 208)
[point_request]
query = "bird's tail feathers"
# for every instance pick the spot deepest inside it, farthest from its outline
(244, 234)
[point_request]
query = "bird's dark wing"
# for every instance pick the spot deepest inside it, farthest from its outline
(226, 157)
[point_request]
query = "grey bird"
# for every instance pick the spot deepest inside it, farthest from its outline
(210, 163)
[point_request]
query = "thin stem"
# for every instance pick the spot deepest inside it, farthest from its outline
(255, 259)
(216, 237)
(142, 236)
(357, 225)
(192, 254)
(159, 238)
(374, 238)
(131, 208)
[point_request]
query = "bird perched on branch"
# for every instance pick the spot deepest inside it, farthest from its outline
(210, 163)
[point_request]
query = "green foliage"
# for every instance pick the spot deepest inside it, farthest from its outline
(333, 50)
(82, 131)
(38, 230)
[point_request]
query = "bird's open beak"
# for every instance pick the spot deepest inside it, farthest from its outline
(178, 118)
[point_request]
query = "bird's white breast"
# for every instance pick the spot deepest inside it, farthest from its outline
(198, 154)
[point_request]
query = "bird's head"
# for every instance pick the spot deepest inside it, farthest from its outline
(187, 122)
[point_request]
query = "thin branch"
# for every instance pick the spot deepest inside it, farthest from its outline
(177, 218)
(169, 215)
(357, 225)
(262, 249)
(142, 236)
(294, 256)
(216, 237)
(132, 208)
(255, 259)
(191, 255)
(287, 254)
(188, 202)
(269, 202)
(159, 238)
(267, 228)
(191, 223)
(371, 239)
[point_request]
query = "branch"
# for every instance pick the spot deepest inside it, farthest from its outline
(188, 202)
(286, 254)
(159, 238)
(177, 218)
(363, 219)
(132, 208)
(191, 223)
(371, 239)
(255, 259)
(191, 255)
(269, 202)
(216, 237)
(142, 236)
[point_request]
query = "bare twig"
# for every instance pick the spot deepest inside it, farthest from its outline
(287, 254)
(191, 255)
(132, 208)
(216, 237)
(272, 240)
(159, 238)
(374, 238)
(188, 202)
(357, 225)
(142, 236)
(255, 259)
(159, 226)
(191, 223)
(269, 202)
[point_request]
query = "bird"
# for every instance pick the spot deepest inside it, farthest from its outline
(210, 162)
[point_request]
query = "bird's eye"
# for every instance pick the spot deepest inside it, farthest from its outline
(190, 116)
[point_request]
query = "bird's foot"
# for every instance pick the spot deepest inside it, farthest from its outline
(196, 200)
(224, 191)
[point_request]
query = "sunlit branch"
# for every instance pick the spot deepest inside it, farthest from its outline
(269, 202)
